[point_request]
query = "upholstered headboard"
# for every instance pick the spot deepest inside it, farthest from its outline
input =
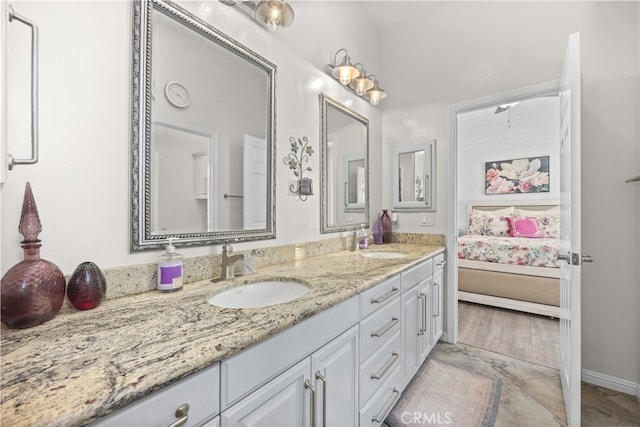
(533, 205)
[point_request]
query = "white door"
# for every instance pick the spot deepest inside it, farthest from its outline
(254, 183)
(570, 247)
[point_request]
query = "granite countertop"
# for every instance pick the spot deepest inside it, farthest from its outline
(84, 364)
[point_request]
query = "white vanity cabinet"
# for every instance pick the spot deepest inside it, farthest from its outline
(437, 298)
(416, 317)
(199, 391)
(311, 368)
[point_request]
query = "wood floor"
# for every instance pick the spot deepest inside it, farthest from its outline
(528, 337)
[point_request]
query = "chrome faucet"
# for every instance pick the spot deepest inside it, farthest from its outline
(228, 261)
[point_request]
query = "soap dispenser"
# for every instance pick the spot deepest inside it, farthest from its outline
(170, 269)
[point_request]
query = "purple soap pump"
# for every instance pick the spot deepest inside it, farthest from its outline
(170, 270)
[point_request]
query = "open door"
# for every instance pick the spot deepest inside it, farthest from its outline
(570, 246)
(254, 183)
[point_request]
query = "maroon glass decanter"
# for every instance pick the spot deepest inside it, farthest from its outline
(32, 291)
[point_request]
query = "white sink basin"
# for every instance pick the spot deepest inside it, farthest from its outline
(259, 294)
(383, 254)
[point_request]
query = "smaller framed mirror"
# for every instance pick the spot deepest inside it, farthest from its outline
(414, 176)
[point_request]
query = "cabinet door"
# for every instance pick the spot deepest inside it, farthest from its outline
(335, 374)
(424, 345)
(283, 402)
(437, 315)
(410, 325)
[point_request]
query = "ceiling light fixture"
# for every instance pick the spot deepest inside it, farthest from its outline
(355, 77)
(274, 15)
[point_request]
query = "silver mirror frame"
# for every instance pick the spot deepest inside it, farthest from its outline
(325, 227)
(141, 236)
(429, 204)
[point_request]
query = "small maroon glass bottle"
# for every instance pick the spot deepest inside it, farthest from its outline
(32, 291)
(386, 226)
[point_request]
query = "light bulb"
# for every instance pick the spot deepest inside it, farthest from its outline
(345, 76)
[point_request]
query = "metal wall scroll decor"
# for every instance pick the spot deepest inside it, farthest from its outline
(300, 153)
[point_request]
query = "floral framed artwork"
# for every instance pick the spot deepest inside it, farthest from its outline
(517, 176)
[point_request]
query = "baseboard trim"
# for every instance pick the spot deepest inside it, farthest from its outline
(612, 383)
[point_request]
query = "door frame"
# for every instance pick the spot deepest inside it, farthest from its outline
(528, 92)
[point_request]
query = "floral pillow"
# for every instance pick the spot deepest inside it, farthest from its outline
(495, 222)
(523, 227)
(476, 223)
(496, 226)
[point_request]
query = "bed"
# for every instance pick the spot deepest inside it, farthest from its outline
(508, 256)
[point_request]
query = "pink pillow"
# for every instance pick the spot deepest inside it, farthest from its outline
(523, 227)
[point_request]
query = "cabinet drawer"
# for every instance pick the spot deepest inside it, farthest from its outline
(379, 367)
(416, 274)
(381, 404)
(201, 391)
(376, 329)
(439, 262)
(376, 297)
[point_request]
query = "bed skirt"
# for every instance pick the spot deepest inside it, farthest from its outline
(534, 289)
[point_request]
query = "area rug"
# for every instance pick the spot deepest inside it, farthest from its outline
(445, 395)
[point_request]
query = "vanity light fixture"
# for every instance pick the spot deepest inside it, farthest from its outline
(362, 83)
(346, 71)
(375, 94)
(274, 15)
(355, 78)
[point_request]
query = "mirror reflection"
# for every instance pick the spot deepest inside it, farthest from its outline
(413, 176)
(345, 189)
(202, 164)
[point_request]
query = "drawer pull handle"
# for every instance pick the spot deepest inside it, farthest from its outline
(320, 377)
(386, 367)
(441, 263)
(307, 384)
(385, 328)
(391, 293)
(182, 415)
(387, 408)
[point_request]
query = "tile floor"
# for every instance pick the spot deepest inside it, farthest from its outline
(531, 390)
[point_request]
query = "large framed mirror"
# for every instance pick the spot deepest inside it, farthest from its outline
(344, 136)
(203, 133)
(413, 176)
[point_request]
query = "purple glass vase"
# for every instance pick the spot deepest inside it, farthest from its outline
(386, 226)
(32, 291)
(87, 286)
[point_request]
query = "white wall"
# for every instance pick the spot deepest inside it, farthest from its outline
(469, 50)
(81, 184)
(529, 129)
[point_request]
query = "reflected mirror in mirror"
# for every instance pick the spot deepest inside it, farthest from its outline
(344, 164)
(203, 133)
(355, 174)
(413, 172)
